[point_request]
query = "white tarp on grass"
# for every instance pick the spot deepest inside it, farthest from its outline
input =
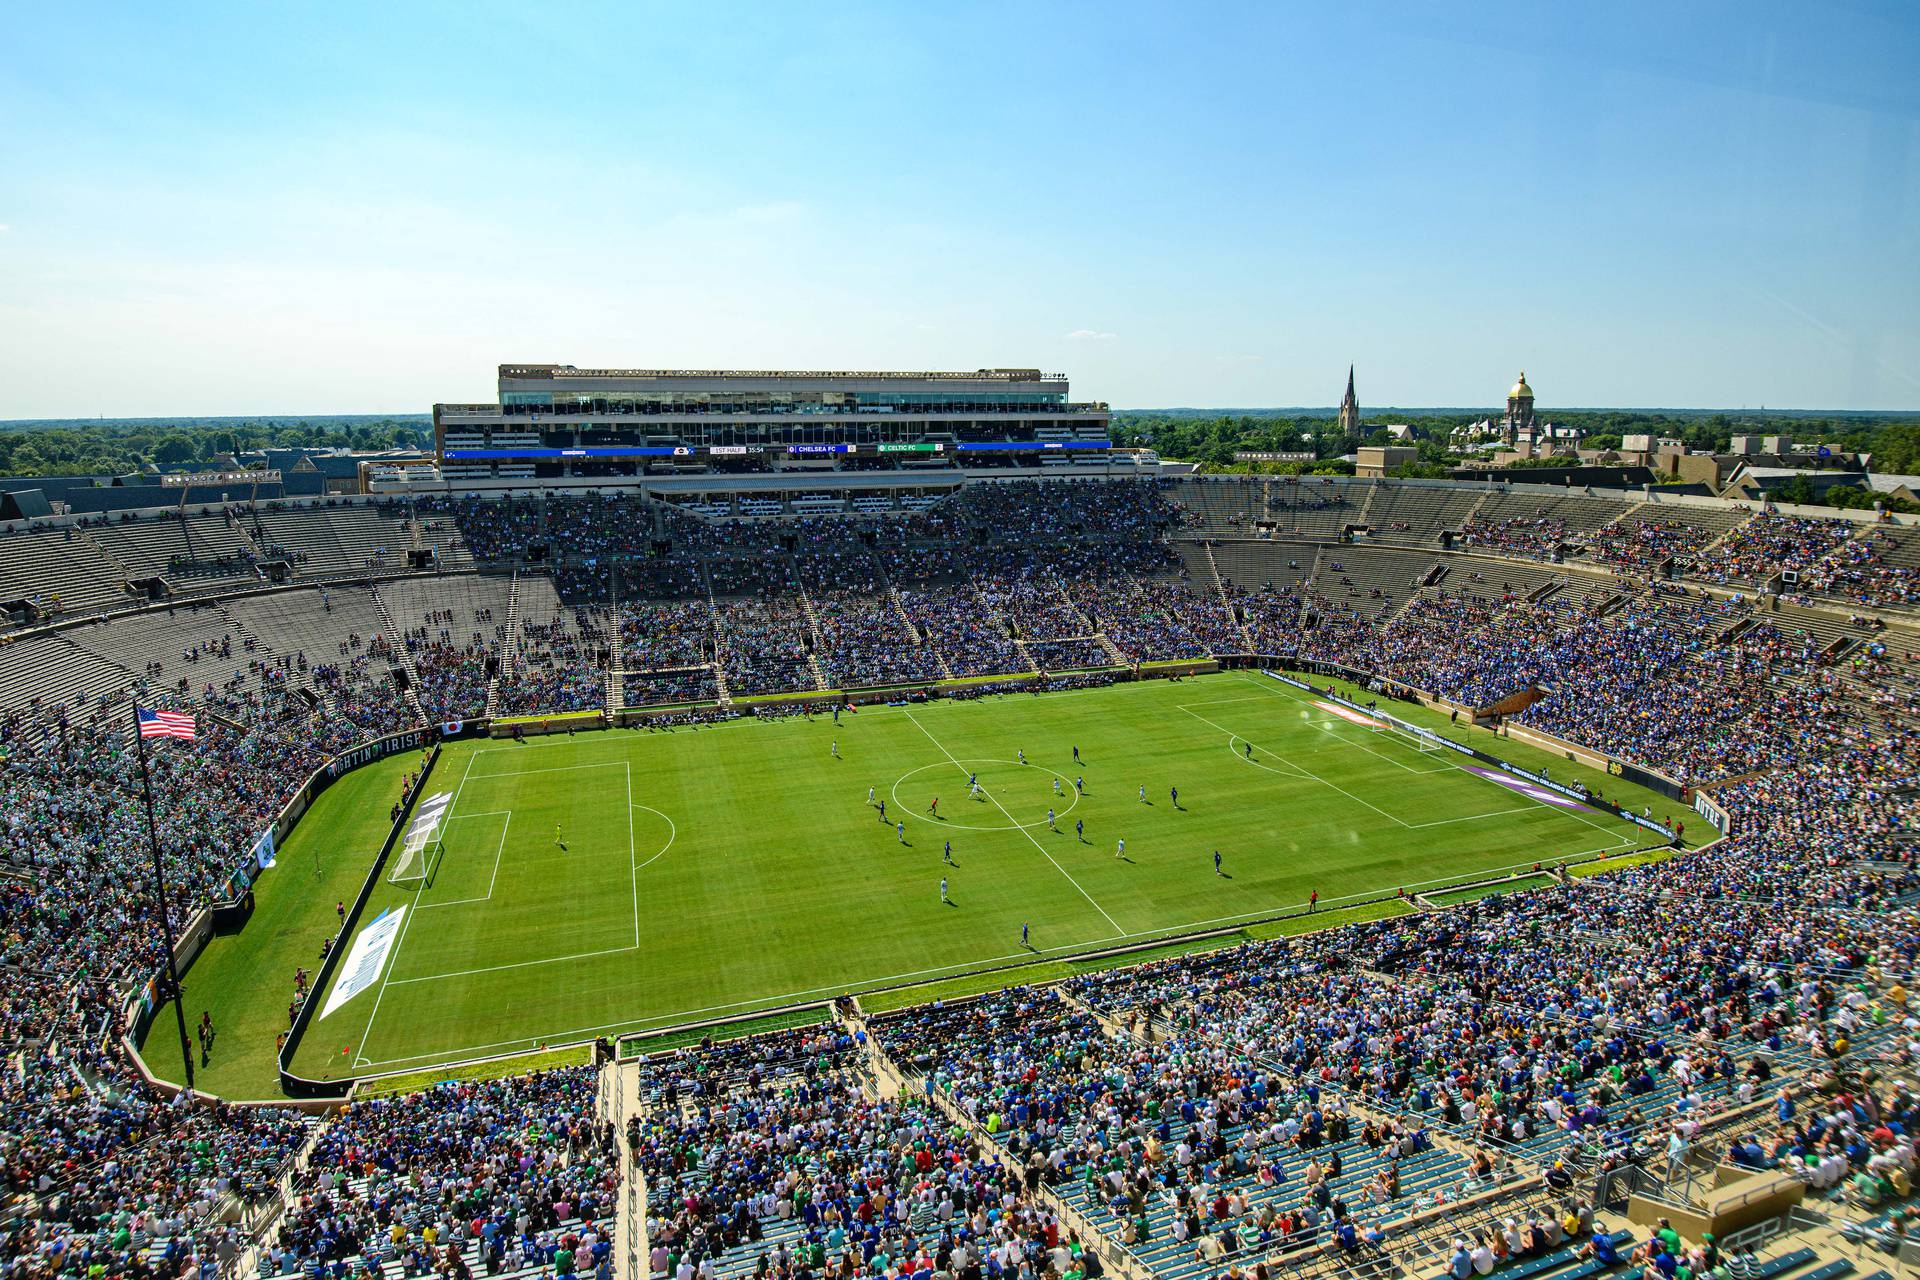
(367, 958)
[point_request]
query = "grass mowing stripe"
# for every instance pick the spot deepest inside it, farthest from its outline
(393, 958)
(1118, 931)
(785, 886)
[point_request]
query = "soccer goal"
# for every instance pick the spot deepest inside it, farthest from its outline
(420, 844)
(1419, 739)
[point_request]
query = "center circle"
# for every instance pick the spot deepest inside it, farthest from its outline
(1014, 789)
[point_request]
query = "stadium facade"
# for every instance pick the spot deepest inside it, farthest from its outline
(557, 425)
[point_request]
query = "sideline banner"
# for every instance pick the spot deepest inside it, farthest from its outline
(367, 958)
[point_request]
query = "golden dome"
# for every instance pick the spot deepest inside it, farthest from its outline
(1521, 388)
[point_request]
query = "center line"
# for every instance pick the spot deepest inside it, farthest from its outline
(1023, 831)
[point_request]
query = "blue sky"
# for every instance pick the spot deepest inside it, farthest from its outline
(365, 207)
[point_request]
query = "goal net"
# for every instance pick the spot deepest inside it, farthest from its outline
(420, 844)
(1417, 738)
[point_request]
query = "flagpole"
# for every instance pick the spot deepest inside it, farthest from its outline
(160, 897)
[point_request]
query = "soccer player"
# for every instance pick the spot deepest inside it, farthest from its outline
(883, 811)
(943, 888)
(1249, 747)
(900, 829)
(1120, 847)
(1079, 784)
(1023, 934)
(1076, 755)
(556, 836)
(946, 854)
(1022, 753)
(836, 748)
(934, 808)
(1216, 862)
(1174, 792)
(1056, 786)
(973, 788)
(1143, 793)
(1050, 825)
(869, 797)
(1080, 830)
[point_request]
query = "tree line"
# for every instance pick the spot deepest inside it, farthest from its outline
(119, 448)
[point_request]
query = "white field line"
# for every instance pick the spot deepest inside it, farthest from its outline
(673, 832)
(517, 964)
(1233, 737)
(558, 768)
(664, 1020)
(670, 1019)
(491, 880)
(1417, 826)
(1398, 764)
(633, 857)
(394, 958)
(1275, 689)
(1023, 831)
(1334, 740)
(1475, 817)
(1308, 773)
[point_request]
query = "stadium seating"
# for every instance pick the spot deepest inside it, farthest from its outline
(1377, 1078)
(1419, 514)
(63, 569)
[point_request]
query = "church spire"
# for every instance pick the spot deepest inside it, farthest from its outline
(1350, 408)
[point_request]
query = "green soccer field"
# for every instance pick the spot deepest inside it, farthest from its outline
(626, 880)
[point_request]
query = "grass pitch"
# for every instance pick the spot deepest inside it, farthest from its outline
(628, 880)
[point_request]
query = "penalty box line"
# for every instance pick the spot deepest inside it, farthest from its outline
(1340, 739)
(1023, 831)
(1273, 689)
(666, 1022)
(393, 959)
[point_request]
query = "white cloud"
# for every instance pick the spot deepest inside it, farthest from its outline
(4, 228)
(1092, 335)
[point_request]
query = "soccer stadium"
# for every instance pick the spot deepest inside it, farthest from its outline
(702, 825)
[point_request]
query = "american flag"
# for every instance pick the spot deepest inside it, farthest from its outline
(164, 724)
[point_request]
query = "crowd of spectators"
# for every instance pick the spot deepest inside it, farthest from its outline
(517, 1171)
(1769, 544)
(775, 1157)
(1609, 1021)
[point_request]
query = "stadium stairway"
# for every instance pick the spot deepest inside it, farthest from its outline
(1123, 1263)
(717, 628)
(885, 1080)
(618, 1099)
(1226, 603)
(507, 649)
(403, 654)
(998, 620)
(906, 619)
(813, 627)
(1090, 628)
(106, 553)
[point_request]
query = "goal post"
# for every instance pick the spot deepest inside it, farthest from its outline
(1423, 740)
(420, 843)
